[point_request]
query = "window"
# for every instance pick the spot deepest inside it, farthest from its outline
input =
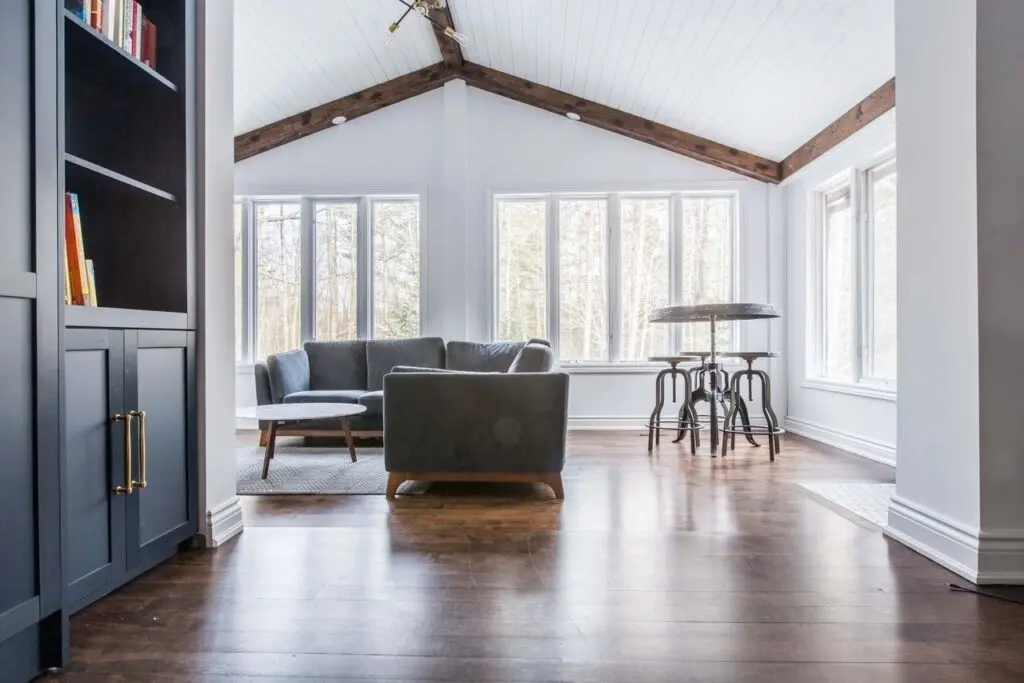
(329, 269)
(592, 268)
(856, 297)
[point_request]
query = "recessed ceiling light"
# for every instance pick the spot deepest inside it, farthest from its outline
(572, 115)
(337, 120)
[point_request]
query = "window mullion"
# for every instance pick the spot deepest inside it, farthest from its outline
(364, 270)
(675, 264)
(552, 279)
(307, 270)
(614, 262)
(248, 311)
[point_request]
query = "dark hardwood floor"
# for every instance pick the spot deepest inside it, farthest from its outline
(666, 568)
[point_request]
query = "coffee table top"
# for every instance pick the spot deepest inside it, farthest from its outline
(287, 412)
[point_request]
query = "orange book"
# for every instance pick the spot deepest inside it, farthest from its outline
(75, 251)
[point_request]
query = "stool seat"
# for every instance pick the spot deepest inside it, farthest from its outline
(749, 356)
(672, 360)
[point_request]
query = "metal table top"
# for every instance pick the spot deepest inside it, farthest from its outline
(722, 312)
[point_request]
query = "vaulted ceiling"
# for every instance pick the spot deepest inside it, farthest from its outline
(762, 76)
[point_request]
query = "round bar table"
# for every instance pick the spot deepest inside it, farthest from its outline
(713, 313)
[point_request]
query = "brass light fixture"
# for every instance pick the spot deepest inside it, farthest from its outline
(423, 7)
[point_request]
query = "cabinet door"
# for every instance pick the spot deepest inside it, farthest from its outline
(159, 375)
(94, 467)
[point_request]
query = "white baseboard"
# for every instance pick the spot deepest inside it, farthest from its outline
(223, 523)
(858, 445)
(607, 422)
(985, 558)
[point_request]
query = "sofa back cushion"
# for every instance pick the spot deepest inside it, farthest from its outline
(384, 354)
(534, 357)
(336, 364)
(289, 372)
(477, 357)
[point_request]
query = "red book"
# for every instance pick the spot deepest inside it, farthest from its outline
(75, 251)
(136, 29)
(149, 44)
(96, 15)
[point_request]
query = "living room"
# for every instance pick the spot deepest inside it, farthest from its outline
(410, 340)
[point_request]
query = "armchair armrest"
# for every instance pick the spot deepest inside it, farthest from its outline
(288, 373)
(475, 422)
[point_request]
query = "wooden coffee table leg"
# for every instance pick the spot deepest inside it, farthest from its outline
(348, 438)
(269, 454)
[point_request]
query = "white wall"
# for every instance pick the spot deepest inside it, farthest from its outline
(218, 505)
(460, 145)
(861, 424)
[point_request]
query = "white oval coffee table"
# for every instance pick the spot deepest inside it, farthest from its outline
(282, 413)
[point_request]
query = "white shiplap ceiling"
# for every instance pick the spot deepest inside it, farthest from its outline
(760, 75)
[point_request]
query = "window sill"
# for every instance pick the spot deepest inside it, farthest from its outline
(876, 391)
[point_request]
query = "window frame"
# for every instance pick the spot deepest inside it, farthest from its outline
(364, 261)
(614, 263)
(862, 382)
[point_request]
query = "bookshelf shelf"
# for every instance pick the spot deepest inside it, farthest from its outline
(115, 61)
(104, 317)
(117, 177)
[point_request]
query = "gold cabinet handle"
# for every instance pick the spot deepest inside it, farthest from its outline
(128, 488)
(141, 414)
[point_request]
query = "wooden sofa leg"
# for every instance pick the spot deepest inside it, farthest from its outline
(555, 482)
(395, 480)
(264, 438)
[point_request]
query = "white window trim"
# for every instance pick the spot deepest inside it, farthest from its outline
(614, 259)
(364, 282)
(862, 383)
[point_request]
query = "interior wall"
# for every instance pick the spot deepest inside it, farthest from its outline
(459, 146)
(862, 424)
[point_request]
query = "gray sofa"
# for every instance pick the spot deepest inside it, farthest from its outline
(507, 423)
(465, 411)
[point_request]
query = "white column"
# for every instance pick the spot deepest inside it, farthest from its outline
(220, 514)
(961, 271)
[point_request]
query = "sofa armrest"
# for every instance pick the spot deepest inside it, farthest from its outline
(289, 372)
(475, 422)
(263, 395)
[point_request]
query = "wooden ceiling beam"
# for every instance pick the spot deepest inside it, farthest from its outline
(623, 123)
(451, 51)
(351, 106)
(863, 113)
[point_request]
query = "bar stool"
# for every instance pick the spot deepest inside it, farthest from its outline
(687, 419)
(700, 393)
(771, 427)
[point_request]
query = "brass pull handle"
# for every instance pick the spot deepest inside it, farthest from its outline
(129, 488)
(141, 414)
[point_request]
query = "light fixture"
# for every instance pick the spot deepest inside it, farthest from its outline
(338, 120)
(423, 7)
(572, 115)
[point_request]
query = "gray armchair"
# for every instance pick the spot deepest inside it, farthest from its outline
(442, 425)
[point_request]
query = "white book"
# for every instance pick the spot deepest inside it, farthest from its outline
(109, 18)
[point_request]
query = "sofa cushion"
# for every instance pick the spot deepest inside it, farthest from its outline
(476, 357)
(336, 364)
(289, 372)
(325, 396)
(534, 357)
(373, 401)
(384, 354)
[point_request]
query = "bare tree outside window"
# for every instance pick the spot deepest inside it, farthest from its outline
(839, 307)
(706, 270)
(522, 268)
(645, 276)
(883, 267)
(396, 269)
(583, 279)
(337, 259)
(278, 277)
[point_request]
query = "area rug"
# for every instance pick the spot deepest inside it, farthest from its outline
(862, 500)
(298, 469)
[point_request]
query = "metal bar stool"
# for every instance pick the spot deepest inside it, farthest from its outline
(701, 393)
(687, 419)
(771, 427)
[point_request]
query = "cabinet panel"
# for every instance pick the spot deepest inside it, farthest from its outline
(94, 464)
(16, 137)
(158, 367)
(18, 530)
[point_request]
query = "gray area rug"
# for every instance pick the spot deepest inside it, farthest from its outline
(860, 500)
(298, 469)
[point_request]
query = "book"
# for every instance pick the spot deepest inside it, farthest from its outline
(128, 27)
(109, 19)
(149, 43)
(77, 7)
(91, 279)
(67, 280)
(75, 250)
(96, 15)
(136, 29)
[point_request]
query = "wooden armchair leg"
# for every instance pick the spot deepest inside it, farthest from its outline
(264, 438)
(555, 482)
(395, 480)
